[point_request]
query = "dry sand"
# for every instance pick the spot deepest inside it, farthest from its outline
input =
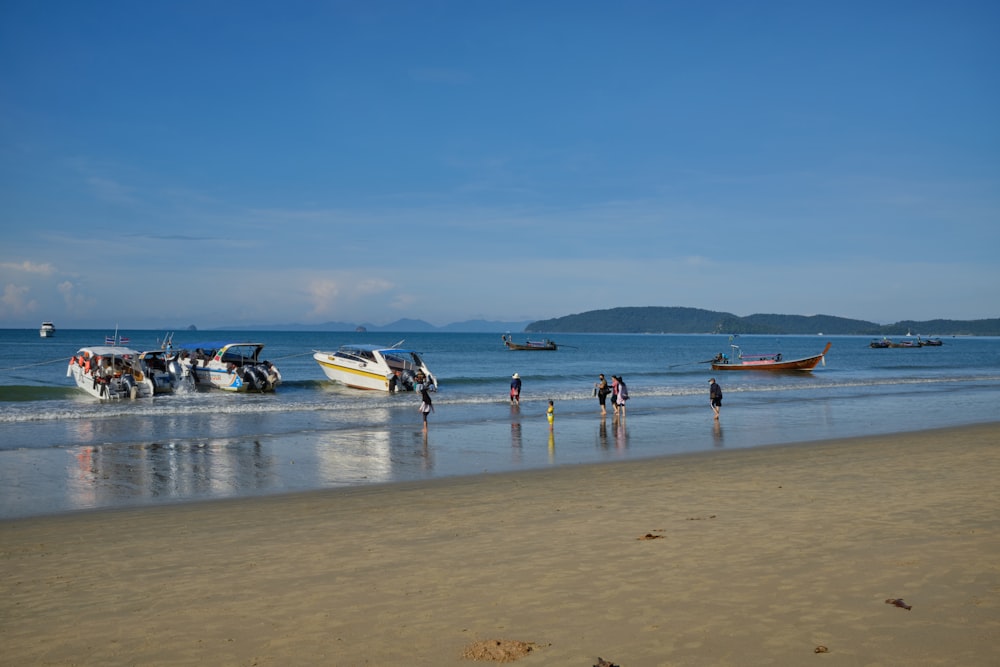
(750, 557)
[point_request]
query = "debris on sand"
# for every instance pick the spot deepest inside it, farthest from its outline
(650, 536)
(498, 650)
(821, 649)
(899, 603)
(601, 662)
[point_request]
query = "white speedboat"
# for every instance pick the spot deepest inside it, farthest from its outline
(229, 366)
(376, 367)
(47, 330)
(109, 372)
(165, 371)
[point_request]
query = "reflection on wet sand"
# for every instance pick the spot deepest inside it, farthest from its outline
(145, 473)
(602, 434)
(351, 456)
(516, 443)
(621, 434)
(717, 433)
(105, 475)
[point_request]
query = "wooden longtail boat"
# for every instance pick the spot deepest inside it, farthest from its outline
(767, 362)
(529, 345)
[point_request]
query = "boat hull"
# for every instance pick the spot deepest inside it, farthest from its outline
(549, 347)
(541, 345)
(351, 375)
(805, 364)
(372, 368)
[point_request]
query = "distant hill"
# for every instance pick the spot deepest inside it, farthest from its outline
(404, 325)
(657, 319)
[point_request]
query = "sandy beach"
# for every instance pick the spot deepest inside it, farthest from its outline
(771, 556)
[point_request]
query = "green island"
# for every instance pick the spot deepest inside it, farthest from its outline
(679, 320)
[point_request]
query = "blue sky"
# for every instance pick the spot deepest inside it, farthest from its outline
(225, 163)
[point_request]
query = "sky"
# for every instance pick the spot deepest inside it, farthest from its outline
(229, 163)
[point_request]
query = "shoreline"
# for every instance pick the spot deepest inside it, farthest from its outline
(753, 556)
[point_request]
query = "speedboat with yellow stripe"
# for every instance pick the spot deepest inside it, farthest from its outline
(377, 368)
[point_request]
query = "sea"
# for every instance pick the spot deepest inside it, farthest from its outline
(63, 451)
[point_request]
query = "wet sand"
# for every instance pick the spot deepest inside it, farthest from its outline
(748, 557)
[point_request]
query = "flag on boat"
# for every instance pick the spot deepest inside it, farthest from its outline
(123, 340)
(109, 340)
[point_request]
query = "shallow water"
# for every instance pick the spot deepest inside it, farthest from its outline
(62, 450)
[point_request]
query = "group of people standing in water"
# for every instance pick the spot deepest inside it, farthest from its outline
(618, 391)
(619, 395)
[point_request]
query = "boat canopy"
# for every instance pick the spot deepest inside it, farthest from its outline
(108, 351)
(375, 348)
(213, 345)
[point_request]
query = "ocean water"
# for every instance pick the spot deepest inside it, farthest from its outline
(62, 451)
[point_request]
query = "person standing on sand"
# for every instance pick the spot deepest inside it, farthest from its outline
(551, 414)
(515, 389)
(426, 405)
(715, 397)
(602, 393)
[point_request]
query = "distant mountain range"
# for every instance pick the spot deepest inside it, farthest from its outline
(404, 325)
(656, 319)
(662, 319)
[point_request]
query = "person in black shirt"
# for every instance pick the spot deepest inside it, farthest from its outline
(715, 397)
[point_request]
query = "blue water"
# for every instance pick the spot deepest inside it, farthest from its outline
(61, 450)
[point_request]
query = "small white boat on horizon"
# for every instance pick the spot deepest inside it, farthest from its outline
(47, 330)
(229, 366)
(375, 367)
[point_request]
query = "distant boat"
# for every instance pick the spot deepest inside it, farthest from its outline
(545, 344)
(48, 330)
(766, 362)
(883, 342)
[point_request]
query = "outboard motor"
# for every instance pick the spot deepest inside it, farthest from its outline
(407, 380)
(250, 379)
(129, 387)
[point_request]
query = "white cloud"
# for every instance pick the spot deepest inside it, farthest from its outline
(329, 296)
(323, 295)
(77, 304)
(15, 301)
(44, 269)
